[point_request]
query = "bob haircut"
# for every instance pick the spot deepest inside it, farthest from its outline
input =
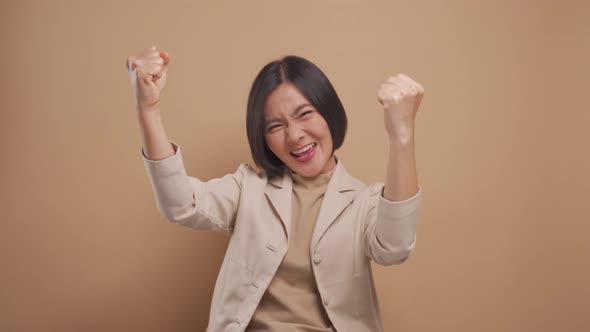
(313, 84)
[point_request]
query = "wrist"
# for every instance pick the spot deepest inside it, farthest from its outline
(148, 115)
(402, 137)
(154, 108)
(401, 143)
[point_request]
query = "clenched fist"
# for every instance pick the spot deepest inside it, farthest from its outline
(148, 73)
(400, 96)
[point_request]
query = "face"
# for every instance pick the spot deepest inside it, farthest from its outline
(296, 132)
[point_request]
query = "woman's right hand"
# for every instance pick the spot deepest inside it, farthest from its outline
(148, 73)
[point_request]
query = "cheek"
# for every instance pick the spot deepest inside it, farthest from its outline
(327, 137)
(324, 132)
(273, 143)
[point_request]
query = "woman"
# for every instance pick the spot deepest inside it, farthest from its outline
(303, 231)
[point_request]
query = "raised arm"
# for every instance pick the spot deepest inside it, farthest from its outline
(390, 224)
(182, 199)
(188, 201)
(400, 96)
(148, 72)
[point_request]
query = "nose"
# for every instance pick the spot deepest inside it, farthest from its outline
(294, 135)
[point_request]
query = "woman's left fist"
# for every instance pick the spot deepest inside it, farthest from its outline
(400, 96)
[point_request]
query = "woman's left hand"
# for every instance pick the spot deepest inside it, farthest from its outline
(400, 96)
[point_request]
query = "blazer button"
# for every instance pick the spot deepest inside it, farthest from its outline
(317, 258)
(326, 300)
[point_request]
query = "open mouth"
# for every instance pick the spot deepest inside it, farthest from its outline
(305, 153)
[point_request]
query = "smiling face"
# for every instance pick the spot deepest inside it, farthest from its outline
(297, 133)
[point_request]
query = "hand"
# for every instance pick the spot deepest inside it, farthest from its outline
(148, 73)
(400, 96)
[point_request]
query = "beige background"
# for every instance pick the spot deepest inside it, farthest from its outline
(502, 153)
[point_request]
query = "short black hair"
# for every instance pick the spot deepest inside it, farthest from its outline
(313, 84)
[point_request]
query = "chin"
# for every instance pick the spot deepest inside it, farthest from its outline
(309, 171)
(309, 174)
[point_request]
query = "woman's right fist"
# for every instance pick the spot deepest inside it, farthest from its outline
(148, 73)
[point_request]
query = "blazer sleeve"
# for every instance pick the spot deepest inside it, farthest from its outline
(390, 227)
(185, 200)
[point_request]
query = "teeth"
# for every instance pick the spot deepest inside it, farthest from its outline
(303, 149)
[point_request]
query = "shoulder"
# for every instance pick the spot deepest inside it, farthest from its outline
(349, 182)
(251, 174)
(370, 191)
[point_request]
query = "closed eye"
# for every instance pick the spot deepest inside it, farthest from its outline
(273, 127)
(305, 113)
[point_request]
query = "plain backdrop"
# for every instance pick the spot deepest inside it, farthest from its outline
(502, 149)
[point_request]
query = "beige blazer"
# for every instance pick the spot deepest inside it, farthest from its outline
(355, 226)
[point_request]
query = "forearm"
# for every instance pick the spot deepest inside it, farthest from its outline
(391, 231)
(156, 144)
(401, 178)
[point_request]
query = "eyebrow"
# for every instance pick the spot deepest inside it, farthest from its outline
(294, 113)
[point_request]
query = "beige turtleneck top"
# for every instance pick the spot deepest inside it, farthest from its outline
(292, 301)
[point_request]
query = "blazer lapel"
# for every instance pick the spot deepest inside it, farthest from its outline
(278, 190)
(340, 192)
